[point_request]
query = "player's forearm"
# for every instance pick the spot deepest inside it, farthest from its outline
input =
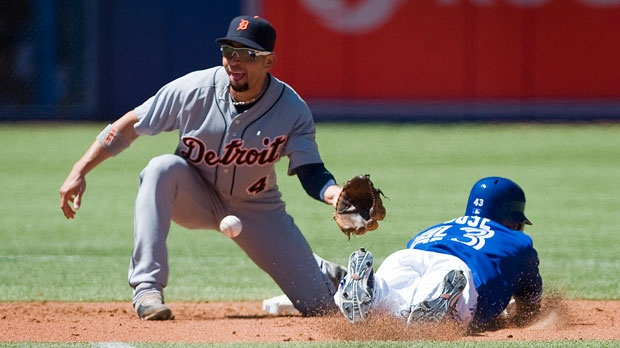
(94, 156)
(318, 182)
(122, 130)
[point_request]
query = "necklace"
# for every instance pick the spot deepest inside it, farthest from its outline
(241, 103)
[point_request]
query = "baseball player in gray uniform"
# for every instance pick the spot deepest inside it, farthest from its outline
(235, 122)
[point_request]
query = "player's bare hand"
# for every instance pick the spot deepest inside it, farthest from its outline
(71, 193)
(331, 194)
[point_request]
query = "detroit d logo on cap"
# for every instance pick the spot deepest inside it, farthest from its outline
(243, 24)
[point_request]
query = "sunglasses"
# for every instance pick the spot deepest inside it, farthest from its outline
(244, 54)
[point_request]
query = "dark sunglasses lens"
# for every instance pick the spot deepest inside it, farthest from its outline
(251, 55)
(244, 54)
(227, 52)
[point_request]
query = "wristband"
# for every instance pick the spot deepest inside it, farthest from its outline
(112, 140)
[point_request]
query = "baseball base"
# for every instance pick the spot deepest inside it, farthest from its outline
(279, 305)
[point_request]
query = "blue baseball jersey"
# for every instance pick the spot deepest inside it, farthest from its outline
(503, 262)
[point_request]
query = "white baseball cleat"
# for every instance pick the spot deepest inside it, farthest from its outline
(435, 310)
(357, 287)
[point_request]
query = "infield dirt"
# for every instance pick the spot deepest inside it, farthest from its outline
(218, 322)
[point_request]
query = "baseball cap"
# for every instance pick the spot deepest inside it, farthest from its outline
(251, 31)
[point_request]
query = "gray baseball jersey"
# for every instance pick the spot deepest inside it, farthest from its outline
(234, 151)
(224, 164)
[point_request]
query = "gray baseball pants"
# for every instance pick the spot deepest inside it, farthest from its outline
(172, 190)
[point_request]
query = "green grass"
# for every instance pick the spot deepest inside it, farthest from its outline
(569, 173)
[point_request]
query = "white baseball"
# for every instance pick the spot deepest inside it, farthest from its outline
(231, 226)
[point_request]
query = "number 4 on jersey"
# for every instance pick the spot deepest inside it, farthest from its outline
(258, 186)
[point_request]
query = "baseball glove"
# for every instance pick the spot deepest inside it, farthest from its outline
(359, 206)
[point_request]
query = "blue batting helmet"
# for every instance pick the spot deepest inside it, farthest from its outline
(498, 199)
